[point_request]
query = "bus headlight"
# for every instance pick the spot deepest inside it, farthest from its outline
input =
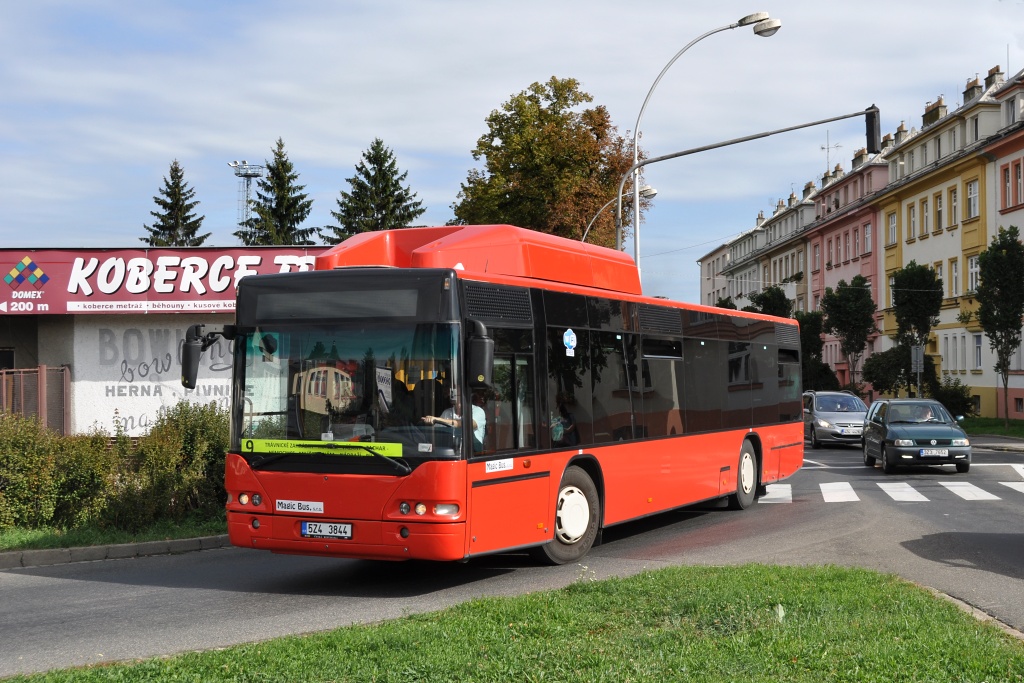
(450, 509)
(421, 509)
(243, 498)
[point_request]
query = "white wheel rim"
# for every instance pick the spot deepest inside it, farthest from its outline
(747, 473)
(572, 518)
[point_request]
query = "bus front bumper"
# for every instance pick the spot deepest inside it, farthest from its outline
(370, 539)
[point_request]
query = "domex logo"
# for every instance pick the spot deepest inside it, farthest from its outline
(26, 271)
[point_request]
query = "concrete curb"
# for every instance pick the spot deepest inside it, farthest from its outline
(41, 558)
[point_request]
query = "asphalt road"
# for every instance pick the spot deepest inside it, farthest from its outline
(965, 541)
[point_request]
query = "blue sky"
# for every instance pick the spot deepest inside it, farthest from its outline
(98, 97)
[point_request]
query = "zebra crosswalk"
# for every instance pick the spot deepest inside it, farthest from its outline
(900, 491)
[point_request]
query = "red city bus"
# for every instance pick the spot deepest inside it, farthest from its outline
(507, 390)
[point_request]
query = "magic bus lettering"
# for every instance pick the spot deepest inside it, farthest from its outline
(168, 274)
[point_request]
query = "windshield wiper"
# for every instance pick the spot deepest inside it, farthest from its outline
(399, 465)
(267, 459)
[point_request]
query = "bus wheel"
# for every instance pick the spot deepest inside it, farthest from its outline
(746, 479)
(576, 519)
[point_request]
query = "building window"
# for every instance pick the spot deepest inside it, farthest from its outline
(952, 139)
(938, 147)
(963, 351)
(910, 161)
(1018, 405)
(817, 256)
(867, 238)
(892, 287)
(938, 212)
(954, 217)
(951, 357)
(973, 273)
(974, 128)
(831, 253)
(938, 273)
(856, 242)
(911, 222)
(924, 155)
(892, 228)
(977, 352)
(925, 217)
(1011, 111)
(945, 352)
(972, 199)
(954, 277)
(1007, 188)
(1019, 196)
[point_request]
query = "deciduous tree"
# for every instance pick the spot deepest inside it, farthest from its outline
(176, 224)
(1001, 301)
(849, 314)
(377, 200)
(548, 165)
(917, 298)
(771, 301)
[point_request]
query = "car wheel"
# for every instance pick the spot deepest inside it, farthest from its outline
(887, 464)
(963, 467)
(869, 460)
(746, 479)
(576, 519)
(814, 438)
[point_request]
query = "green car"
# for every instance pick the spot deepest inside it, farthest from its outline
(910, 431)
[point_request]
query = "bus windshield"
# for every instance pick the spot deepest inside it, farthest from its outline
(308, 392)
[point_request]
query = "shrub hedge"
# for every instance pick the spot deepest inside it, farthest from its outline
(176, 469)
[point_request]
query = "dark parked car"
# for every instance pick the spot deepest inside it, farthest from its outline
(833, 416)
(911, 431)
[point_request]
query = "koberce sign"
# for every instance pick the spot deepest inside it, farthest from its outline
(61, 281)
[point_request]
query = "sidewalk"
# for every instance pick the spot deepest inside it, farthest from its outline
(39, 558)
(997, 443)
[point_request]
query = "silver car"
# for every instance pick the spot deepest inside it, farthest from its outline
(836, 416)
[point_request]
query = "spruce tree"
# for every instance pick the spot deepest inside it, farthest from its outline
(377, 200)
(280, 207)
(176, 225)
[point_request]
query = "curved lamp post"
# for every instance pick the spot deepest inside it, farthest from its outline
(646, 192)
(764, 26)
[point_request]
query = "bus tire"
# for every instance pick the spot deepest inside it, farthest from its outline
(747, 479)
(577, 512)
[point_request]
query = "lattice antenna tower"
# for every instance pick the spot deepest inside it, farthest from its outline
(245, 172)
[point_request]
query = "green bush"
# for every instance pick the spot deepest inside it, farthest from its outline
(174, 471)
(177, 469)
(86, 467)
(954, 395)
(28, 491)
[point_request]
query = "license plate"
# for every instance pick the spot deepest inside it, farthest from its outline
(934, 452)
(326, 530)
(851, 431)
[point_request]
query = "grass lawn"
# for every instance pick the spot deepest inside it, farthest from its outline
(994, 426)
(709, 624)
(35, 539)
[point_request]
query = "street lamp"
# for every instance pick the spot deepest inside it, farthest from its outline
(765, 27)
(646, 192)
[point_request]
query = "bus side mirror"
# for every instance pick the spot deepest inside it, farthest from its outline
(479, 357)
(191, 351)
(197, 340)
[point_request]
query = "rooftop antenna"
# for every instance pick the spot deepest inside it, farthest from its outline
(245, 172)
(828, 152)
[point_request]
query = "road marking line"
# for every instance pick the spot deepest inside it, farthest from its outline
(838, 492)
(902, 491)
(777, 493)
(1015, 485)
(968, 491)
